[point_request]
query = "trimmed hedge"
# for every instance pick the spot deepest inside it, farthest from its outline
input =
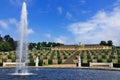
(49, 61)
(31, 64)
(84, 64)
(40, 63)
(1, 64)
(59, 61)
(116, 65)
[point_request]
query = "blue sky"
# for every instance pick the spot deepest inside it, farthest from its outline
(65, 21)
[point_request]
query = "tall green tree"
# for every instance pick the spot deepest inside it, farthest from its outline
(6, 37)
(4, 46)
(10, 40)
(32, 45)
(44, 44)
(103, 43)
(109, 43)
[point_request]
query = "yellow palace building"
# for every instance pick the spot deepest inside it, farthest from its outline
(82, 47)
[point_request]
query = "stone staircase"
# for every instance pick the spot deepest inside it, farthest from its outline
(71, 58)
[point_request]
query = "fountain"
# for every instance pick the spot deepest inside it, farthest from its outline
(22, 49)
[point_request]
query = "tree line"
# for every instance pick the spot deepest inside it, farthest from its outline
(7, 43)
(41, 45)
(108, 43)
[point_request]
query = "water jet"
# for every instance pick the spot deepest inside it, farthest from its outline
(22, 48)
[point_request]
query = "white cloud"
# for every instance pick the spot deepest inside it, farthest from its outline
(60, 10)
(30, 31)
(61, 39)
(48, 35)
(8, 22)
(68, 15)
(105, 25)
(117, 3)
(82, 1)
(13, 21)
(3, 24)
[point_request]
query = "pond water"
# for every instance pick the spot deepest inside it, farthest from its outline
(62, 74)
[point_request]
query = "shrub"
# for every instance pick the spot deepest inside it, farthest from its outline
(31, 64)
(13, 60)
(89, 60)
(88, 56)
(49, 61)
(103, 56)
(40, 63)
(65, 57)
(85, 64)
(99, 60)
(116, 65)
(118, 61)
(59, 61)
(1, 64)
(109, 60)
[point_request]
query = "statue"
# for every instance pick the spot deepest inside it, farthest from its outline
(37, 61)
(79, 62)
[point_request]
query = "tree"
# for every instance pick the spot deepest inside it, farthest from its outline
(109, 43)
(38, 45)
(1, 39)
(6, 37)
(103, 43)
(10, 41)
(4, 46)
(32, 45)
(44, 44)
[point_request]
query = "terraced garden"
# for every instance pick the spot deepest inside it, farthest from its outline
(49, 57)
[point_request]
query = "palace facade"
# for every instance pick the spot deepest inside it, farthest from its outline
(84, 47)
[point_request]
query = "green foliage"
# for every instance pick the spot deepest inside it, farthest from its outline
(7, 43)
(59, 61)
(1, 64)
(13, 60)
(89, 60)
(40, 62)
(116, 65)
(65, 57)
(85, 64)
(43, 45)
(9, 56)
(119, 61)
(109, 60)
(49, 61)
(31, 64)
(110, 43)
(4, 60)
(103, 56)
(32, 45)
(5, 46)
(99, 60)
(112, 57)
(103, 43)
